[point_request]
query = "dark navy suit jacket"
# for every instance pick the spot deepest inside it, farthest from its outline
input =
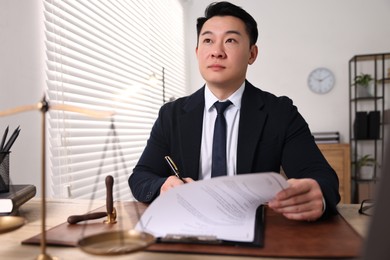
(272, 134)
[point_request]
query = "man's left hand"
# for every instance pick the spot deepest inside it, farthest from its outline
(302, 200)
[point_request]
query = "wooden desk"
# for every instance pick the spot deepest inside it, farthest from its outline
(59, 210)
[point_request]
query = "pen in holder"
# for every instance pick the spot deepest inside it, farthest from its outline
(4, 172)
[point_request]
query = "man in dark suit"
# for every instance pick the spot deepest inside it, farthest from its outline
(264, 132)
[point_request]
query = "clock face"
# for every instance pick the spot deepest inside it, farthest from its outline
(321, 80)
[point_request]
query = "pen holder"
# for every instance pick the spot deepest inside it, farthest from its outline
(4, 172)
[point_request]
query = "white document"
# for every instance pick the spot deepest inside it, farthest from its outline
(6, 205)
(223, 207)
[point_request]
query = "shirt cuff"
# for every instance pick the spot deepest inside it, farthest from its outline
(324, 204)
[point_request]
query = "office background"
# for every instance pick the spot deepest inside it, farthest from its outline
(295, 37)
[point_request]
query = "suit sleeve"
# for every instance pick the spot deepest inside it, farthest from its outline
(151, 171)
(302, 159)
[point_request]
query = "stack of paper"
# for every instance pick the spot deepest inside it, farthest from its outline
(223, 207)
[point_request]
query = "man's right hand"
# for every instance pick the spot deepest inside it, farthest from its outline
(172, 182)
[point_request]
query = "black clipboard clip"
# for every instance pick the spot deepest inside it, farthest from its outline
(173, 238)
(213, 240)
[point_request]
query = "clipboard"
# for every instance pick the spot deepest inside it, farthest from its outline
(258, 240)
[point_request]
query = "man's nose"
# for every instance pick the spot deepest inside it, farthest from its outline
(218, 52)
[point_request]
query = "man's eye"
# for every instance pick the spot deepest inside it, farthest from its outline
(231, 41)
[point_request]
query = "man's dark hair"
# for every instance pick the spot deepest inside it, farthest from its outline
(229, 9)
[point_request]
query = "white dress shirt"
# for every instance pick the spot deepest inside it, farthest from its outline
(232, 116)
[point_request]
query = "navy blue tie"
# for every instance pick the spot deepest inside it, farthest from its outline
(218, 166)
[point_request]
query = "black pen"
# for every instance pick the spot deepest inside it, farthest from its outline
(174, 168)
(11, 140)
(3, 140)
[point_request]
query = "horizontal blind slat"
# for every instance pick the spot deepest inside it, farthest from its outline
(100, 55)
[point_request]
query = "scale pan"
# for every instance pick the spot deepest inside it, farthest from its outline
(116, 242)
(10, 223)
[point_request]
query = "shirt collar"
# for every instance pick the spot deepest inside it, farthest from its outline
(235, 98)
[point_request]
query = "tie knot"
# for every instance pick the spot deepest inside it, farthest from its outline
(221, 106)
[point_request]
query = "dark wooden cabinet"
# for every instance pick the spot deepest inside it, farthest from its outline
(338, 156)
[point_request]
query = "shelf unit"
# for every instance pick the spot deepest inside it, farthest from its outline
(367, 117)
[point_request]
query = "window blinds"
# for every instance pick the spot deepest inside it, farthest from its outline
(101, 55)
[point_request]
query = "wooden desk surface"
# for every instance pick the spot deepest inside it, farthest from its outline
(59, 210)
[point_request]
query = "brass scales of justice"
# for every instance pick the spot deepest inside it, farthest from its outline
(106, 243)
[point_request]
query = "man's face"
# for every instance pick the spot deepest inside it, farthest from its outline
(223, 52)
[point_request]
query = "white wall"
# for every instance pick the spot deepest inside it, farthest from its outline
(297, 36)
(21, 83)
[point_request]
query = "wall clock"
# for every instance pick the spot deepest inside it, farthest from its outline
(321, 80)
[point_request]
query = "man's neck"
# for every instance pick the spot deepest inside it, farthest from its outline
(223, 91)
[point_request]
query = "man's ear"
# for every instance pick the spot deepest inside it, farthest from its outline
(253, 54)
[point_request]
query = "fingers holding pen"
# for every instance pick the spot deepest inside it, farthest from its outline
(188, 180)
(173, 181)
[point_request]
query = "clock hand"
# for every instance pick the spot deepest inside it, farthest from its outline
(325, 77)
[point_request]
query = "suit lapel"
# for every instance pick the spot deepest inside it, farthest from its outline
(252, 120)
(191, 124)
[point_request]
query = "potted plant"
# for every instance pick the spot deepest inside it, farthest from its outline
(363, 84)
(365, 167)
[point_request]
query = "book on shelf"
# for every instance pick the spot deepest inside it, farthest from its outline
(16, 197)
(326, 137)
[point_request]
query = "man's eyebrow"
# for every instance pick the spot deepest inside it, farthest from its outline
(206, 32)
(227, 32)
(233, 32)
